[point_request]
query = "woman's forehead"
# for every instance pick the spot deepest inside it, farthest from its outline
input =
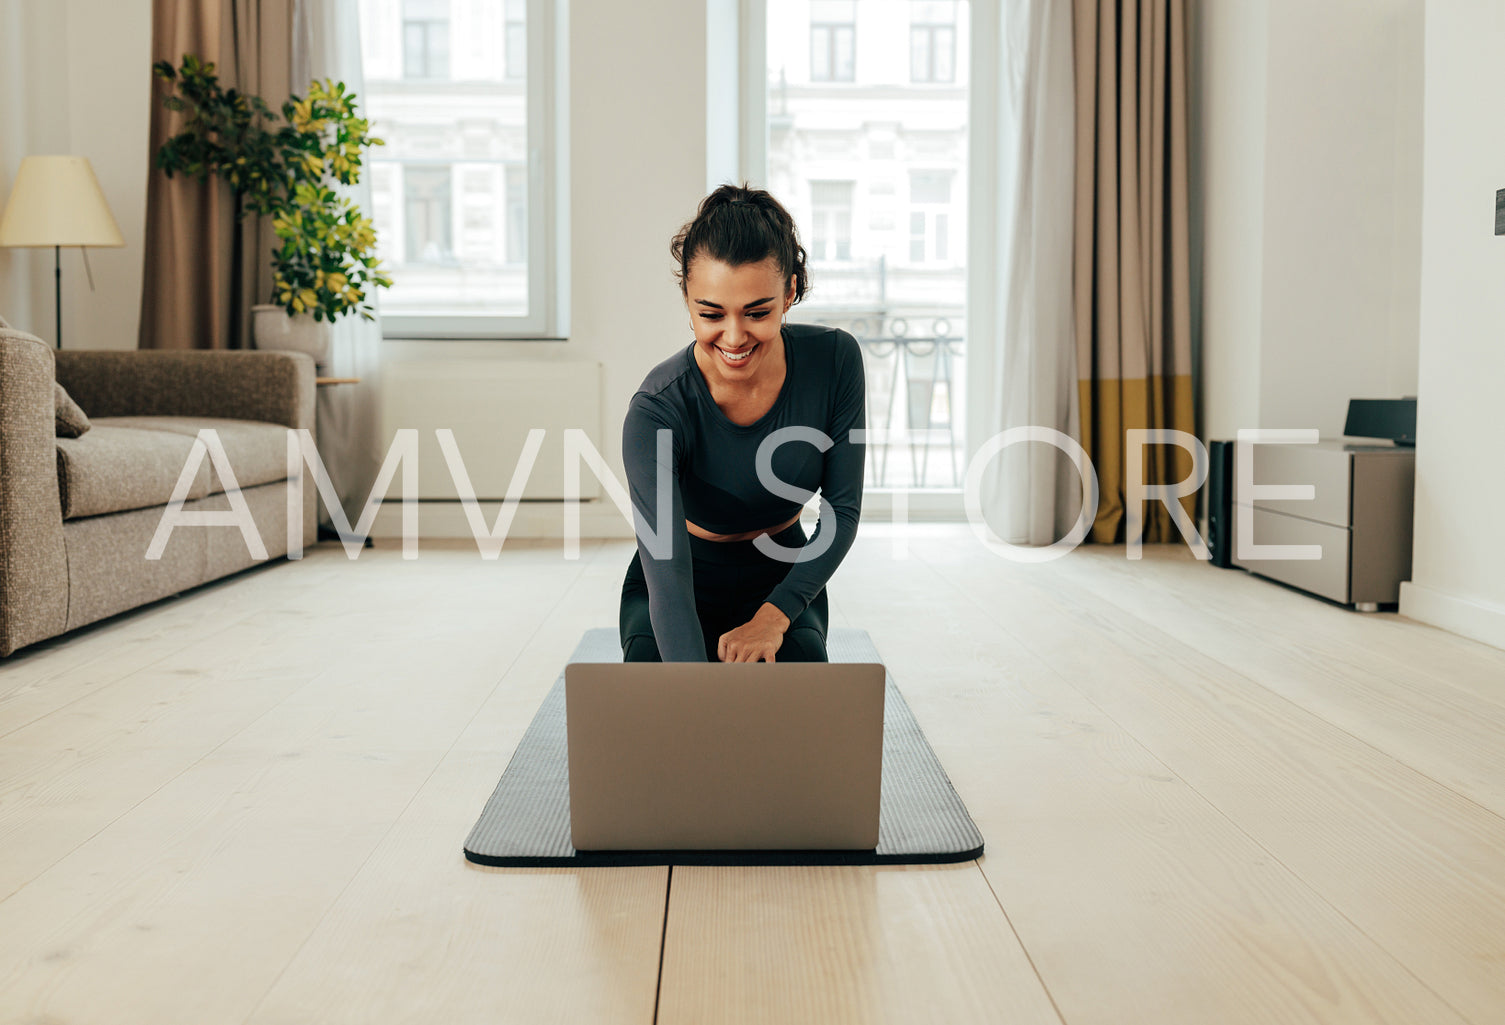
(708, 274)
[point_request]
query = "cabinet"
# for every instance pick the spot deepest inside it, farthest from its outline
(1360, 516)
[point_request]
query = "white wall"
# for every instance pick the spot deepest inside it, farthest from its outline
(1458, 566)
(1229, 65)
(1310, 184)
(77, 79)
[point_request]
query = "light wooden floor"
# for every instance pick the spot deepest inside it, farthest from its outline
(1207, 800)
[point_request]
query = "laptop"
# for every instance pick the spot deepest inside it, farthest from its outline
(724, 755)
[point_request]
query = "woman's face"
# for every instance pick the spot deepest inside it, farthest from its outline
(736, 313)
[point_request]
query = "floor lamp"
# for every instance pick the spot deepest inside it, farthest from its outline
(56, 202)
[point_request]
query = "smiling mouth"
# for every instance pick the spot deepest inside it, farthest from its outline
(741, 357)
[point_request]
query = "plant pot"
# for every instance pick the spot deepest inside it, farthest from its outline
(272, 327)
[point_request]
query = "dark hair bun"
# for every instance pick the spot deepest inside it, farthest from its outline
(740, 225)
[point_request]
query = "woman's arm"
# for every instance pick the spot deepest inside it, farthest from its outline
(841, 484)
(660, 529)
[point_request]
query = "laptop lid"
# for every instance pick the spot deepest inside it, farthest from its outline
(724, 755)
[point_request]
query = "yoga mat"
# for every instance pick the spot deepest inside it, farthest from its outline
(527, 820)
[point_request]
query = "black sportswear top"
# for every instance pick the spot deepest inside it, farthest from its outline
(713, 479)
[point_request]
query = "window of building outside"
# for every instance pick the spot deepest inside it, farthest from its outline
(450, 89)
(929, 216)
(425, 38)
(517, 39)
(427, 214)
(932, 40)
(832, 40)
(875, 173)
(830, 221)
(517, 213)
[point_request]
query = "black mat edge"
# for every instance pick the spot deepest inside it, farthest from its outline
(733, 857)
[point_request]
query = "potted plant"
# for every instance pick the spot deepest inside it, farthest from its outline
(326, 266)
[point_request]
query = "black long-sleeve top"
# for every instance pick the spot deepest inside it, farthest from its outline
(713, 480)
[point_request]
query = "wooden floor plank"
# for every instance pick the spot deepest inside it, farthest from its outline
(823, 945)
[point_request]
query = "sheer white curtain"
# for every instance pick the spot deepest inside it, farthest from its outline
(327, 44)
(31, 121)
(1022, 355)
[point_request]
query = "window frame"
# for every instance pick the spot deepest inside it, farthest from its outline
(546, 82)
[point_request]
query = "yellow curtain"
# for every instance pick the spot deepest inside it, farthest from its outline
(1132, 252)
(203, 269)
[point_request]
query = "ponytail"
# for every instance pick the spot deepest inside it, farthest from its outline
(739, 225)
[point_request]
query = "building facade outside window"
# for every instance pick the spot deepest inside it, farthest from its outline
(876, 176)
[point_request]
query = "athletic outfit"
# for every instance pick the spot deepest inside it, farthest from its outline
(675, 608)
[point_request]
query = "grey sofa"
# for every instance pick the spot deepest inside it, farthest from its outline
(77, 515)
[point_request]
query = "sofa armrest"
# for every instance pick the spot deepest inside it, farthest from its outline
(276, 387)
(33, 561)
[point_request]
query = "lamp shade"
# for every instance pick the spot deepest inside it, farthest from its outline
(56, 201)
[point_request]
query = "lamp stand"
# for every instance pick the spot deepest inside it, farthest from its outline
(57, 273)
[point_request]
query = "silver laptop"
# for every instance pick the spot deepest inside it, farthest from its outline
(724, 755)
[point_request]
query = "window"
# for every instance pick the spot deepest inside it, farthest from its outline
(833, 49)
(932, 41)
(517, 213)
(425, 39)
(830, 220)
(465, 192)
(930, 216)
(517, 39)
(426, 214)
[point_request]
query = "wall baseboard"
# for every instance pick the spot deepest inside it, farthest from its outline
(533, 519)
(1463, 616)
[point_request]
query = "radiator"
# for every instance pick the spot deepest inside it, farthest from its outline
(491, 405)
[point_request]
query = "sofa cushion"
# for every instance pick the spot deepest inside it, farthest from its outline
(68, 420)
(112, 469)
(257, 450)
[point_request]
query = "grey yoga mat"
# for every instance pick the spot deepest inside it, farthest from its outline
(527, 820)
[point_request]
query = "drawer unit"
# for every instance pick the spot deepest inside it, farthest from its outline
(1360, 516)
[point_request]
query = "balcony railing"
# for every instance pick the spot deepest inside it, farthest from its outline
(915, 367)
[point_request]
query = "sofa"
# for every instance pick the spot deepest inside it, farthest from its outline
(77, 514)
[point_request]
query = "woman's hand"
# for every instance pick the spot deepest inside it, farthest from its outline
(757, 639)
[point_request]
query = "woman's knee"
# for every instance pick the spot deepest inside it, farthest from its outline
(640, 648)
(802, 644)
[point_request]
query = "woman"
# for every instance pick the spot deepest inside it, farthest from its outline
(740, 582)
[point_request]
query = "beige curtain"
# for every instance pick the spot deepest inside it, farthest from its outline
(203, 269)
(1132, 275)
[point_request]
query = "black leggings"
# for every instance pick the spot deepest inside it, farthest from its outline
(732, 580)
